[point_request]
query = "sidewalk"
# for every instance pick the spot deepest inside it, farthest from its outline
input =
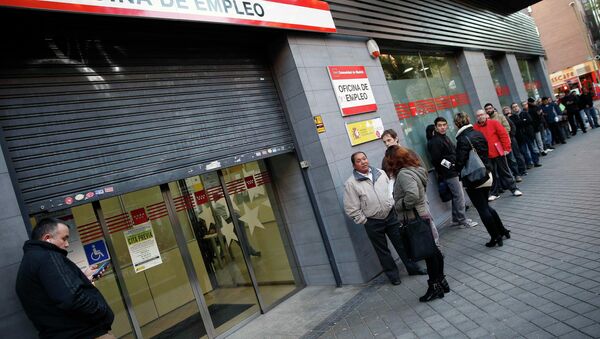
(543, 283)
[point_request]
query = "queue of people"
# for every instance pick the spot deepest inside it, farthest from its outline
(508, 143)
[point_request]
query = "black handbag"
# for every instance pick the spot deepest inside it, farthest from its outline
(418, 238)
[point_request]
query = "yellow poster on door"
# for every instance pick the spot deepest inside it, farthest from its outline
(364, 131)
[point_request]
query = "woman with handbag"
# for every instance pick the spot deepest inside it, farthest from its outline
(410, 204)
(468, 140)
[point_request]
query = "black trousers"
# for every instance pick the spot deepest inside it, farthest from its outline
(575, 117)
(377, 229)
(489, 216)
(503, 178)
(557, 136)
(435, 266)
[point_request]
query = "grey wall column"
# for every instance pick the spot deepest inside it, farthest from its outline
(307, 91)
(13, 321)
(542, 74)
(512, 74)
(477, 79)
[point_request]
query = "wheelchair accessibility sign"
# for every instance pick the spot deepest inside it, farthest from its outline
(96, 252)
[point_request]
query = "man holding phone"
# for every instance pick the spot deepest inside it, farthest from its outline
(56, 295)
(443, 156)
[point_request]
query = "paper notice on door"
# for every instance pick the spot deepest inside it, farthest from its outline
(142, 247)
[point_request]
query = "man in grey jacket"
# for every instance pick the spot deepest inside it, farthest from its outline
(367, 201)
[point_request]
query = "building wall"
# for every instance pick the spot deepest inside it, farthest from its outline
(13, 322)
(560, 34)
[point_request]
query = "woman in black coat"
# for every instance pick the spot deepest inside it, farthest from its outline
(478, 192)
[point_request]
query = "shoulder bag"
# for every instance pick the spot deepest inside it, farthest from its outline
(474, 173)
(417, 238)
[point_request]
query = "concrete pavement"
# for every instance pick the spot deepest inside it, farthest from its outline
(543, 283)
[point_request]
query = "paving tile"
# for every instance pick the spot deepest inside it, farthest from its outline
(579, 322)
(592, 330)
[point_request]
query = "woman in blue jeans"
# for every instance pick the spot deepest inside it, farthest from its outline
(466, 139)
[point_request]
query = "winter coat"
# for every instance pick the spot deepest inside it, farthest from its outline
(586, 100)
(440, 147)
(365, 198)
(551, 111)
(513, 127)
(57, 297)
(501, 119)
(524, 127)
(465, 137)
(410, 192)
(496, 136)
(571, 103)
(536, 118)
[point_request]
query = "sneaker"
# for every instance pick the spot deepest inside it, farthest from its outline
(537, 165)
(517, 193)
(544, 153)
(492, 197)
(518, 179)
(548, 150)
(529, 166)
(470, 223)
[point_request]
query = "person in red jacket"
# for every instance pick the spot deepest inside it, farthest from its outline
(498, 147)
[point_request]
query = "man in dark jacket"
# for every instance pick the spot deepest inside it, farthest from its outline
(538, 125)
(443, 157)
(56, 295)
(570, 102)
(551, 114)
(586, 103)
(525, 135)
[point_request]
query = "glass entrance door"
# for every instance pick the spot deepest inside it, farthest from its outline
(215, 249)
(152, 265)
(254, 204)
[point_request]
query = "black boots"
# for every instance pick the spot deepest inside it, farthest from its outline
(494, 242)
(434, 291)
(444, 284)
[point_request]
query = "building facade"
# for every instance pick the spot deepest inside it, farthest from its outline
(205, 156)
(571, 41)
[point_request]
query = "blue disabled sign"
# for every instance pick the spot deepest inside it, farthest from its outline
(96, 252)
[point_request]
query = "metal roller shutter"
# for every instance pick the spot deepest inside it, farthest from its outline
(97, 117)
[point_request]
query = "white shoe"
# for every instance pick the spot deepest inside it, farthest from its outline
(470, 223)
(493, 197)
(517, 193)
(548, 150)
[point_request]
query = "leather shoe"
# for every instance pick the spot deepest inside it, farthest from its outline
(420, 271)
(396, 282)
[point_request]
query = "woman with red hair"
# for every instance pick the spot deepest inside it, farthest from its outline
(409, 195)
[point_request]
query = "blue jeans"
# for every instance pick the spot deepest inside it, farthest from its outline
(530, 152)
(592, 117)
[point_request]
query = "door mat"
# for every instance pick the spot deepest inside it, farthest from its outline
(193, 327)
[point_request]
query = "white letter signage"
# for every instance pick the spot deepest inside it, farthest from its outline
(305, 15)
(352, 89)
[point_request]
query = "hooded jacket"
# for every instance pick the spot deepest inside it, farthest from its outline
(410, 192)
(496, 136)
(365, 198)
(57, 297)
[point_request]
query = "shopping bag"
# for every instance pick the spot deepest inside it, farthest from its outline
(418, 238)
